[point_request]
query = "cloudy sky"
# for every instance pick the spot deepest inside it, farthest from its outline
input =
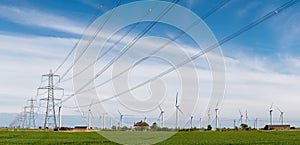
(262, 65)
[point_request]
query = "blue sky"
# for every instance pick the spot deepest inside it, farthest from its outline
(262, 65)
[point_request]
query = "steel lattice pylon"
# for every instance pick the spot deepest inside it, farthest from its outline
(31, 120)
(50, 117)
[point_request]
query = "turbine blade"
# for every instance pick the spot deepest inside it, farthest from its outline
(240, 112)
(160, 108)
(92, 114)
(176, 99)
(271, 106)
(278, 109)
(179, 110)
(160, 115)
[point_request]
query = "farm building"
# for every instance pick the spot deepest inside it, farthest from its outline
(141, 125)
(277, 127)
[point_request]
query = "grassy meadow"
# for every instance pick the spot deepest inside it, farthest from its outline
(9, 136)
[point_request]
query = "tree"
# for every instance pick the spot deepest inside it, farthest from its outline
(209, 127)
(154, 126)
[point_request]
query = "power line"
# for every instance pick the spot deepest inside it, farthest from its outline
(97, 12)
(213, 10)
(166, 44)
(223, 41)
(111, 47)
(220, 5)
(139, 36)
(99, 28)
(132, 42)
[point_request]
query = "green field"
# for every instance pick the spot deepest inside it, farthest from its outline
(209, 137)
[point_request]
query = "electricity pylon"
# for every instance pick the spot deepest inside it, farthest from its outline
(24, 117)
(50, 117)
(31, 120)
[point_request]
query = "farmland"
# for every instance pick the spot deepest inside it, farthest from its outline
(8, 136)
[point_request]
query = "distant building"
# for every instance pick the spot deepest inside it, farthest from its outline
(77, 128)
(277, 127)
(141, 125)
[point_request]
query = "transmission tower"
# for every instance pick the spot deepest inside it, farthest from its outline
(24, 117)
(20, 120)
(31, 120)
(15, 123)
(50, 117)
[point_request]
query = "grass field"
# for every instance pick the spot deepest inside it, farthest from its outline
(210, 137)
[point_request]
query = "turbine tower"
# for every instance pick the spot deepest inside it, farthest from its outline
(241, 117)
(192, 121)
(281, 115)
(217, 119)
(161, 116)
(90, 116)
(246, 117)
(208, 117)
(200, 123)
(177, 109)
(103, 120)
(121, 119)
(270, 111)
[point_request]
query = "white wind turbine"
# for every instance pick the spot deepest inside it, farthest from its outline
(241, 117)
(191, 119)
(121, 119)
(161, 116)
(177, 109)
(217, 119)
(281, 115)
(208, 117)
(217, 111)
(270, 111)
(246, 117)
(90, 114)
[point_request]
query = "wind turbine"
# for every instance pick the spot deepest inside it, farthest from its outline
(246, 117)
(271, 110)
(200, 123)
(121, 118)
(208, 117)
(241, 117)
(281, 115)
(161, 116)
(103, 120)
(177, 109)
(217, 119)
(191, 119)
(90, 114)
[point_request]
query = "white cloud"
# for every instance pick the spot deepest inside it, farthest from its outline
(293, 61)
(35, 18)
(254, 82)
(23, 59)
(247, 9)
(51, 47)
